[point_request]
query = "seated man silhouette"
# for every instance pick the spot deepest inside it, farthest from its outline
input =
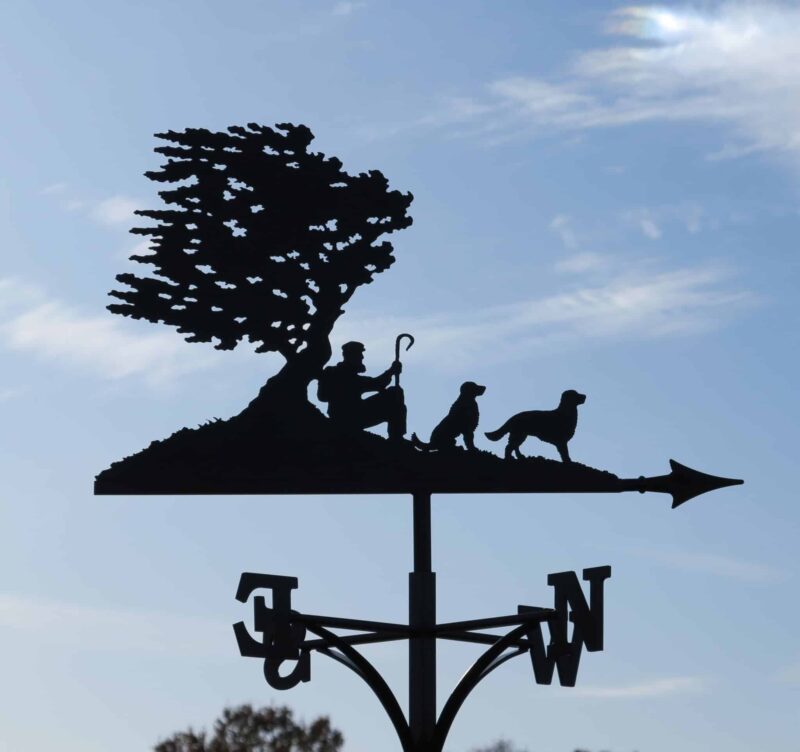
(343, 385)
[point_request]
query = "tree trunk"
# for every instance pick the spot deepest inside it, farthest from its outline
(287, 390)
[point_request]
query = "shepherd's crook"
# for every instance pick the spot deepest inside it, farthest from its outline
(410, 339)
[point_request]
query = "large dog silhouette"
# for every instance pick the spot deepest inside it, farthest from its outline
(555, 427)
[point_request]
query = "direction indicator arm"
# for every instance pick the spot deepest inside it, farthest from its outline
(534, 615)
(402, 630)
(479, 638)
(357, 639)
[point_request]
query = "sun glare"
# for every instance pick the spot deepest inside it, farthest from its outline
(669, 23)
(653, 22)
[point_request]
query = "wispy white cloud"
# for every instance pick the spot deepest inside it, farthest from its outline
(101, 344)
(451, 111)
(76, 204)
(16, 292)
(693, 219)
(53, 188)
(631, 305)
(561, 224)
(52, 622)
(347, 7)
(650, 228)
(142, 248)
(652, 221)
(734, 64)
(716, 564)
(580, 263)
(10, 393)
(115, 210)
(110, 212)
(675, 685)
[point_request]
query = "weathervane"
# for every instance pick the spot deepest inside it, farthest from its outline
(266, 241)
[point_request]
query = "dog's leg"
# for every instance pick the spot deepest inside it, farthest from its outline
(564, 452)
(514, 443)
(469, 440)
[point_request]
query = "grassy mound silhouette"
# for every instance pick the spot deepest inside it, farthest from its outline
(272, 451)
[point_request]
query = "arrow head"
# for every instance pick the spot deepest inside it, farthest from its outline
(683, 483)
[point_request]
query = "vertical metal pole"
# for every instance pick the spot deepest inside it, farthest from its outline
(422, 617)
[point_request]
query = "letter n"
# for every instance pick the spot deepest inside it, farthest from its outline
(563, 654)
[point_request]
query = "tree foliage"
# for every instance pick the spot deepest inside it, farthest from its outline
(262, 239)
(504, 745)
(501, 745)
(270, 729)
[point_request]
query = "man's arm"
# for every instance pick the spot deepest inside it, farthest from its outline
(378, 383)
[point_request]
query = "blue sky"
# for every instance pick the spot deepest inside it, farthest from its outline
(606, 199)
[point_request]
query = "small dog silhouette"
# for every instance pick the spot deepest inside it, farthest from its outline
(555, 427)
(461, 420)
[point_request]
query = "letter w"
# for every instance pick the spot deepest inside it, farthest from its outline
(563, 654)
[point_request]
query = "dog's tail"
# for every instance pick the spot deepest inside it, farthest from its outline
(499, 433)
(419, 444)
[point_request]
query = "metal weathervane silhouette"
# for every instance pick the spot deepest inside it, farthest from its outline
(266, 241)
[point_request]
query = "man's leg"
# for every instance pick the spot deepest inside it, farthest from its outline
(387, 407)
(396, 421)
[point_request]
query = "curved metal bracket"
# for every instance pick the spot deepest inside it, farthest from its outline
(356, 662)
(343, 659)
(489, 661)
(501, 660)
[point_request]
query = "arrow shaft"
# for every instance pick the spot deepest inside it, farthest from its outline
(659, 483)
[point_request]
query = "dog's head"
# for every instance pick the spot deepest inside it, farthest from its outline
(471, 389)
(571, 397)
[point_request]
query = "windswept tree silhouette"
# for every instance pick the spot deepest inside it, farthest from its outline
(263, 240)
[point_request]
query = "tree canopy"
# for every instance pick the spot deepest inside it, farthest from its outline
(262, 239)
(504, 745)
(270, 729)
(501, 745)
(274, 729)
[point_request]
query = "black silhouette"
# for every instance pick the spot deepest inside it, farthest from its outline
(247, 729)
(501, 745)
(342, 385)
(398, 340)
(461, 420)
(682, 483)
(287, 640)
(264, 240)
(555, 427)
